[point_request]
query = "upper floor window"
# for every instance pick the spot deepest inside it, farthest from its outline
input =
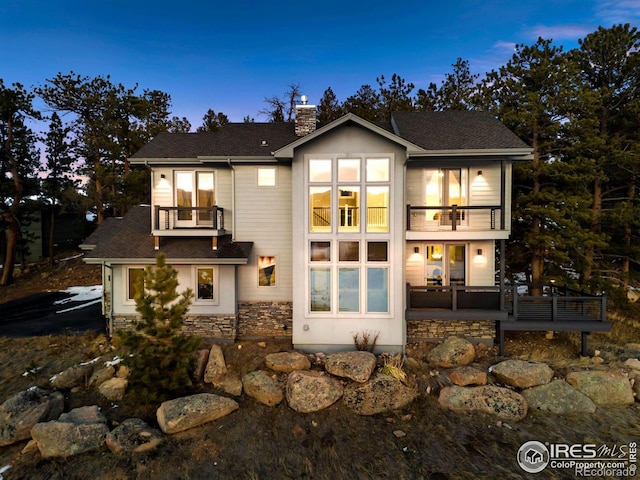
(266, 177)
(195, 189)
(347, 201)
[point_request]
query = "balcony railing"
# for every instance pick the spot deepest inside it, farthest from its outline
(349, 216)
(176, 218)
(437, 218)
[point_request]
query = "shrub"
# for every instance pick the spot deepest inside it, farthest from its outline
(365, 341)
(159, 357)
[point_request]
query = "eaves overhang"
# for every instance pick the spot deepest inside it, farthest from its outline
(174, 261)
(287, 151)
(513, 153)
(204, 159)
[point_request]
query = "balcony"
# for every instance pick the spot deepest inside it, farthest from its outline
(188, 221)
(450, 218)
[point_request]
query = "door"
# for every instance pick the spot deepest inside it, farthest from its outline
(445, 264)
(194, 189)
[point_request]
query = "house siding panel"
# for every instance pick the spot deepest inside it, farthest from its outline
(263, 216)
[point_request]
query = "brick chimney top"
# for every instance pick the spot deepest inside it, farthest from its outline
(305, 118)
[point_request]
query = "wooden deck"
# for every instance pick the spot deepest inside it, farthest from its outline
(558, 309)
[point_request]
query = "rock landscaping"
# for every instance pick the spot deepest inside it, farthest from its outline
(508, 390)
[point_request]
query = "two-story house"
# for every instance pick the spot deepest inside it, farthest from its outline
(324, 232)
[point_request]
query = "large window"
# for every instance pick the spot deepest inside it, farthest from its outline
(206, 284)
(194, 189)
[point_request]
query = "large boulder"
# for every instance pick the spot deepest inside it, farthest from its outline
(228, 383)
(216, 365)
(263, 388)
(133, 435)
(310, 391)
(454, 352)
(358, 366)
(603, 387)
(18, 414)
(522, 374)
(76, 376)
(287, 362)
(464, 376)
(501, 402)
(202, 358)
(558, 397)
(113, 389)
(382, 393)
(101, 375)
(188, 412)
(81, 430)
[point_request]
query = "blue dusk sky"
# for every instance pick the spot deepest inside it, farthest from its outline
(229, 56)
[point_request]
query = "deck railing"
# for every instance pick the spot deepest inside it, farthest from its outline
(433, 218)
(170, 218)
(555, 304)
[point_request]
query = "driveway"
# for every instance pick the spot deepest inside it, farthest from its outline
(74, 311)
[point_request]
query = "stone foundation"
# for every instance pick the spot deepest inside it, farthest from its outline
(265, 319)
(205, 326)
(478, 330)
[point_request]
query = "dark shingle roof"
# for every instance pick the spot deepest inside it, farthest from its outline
(433, 131)
(234, 140)
(129, 237)
(455, 130)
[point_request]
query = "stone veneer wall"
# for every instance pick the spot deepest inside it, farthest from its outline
(205, 326)
(484, 330)
(265, 319)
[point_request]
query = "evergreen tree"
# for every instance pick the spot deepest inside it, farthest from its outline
(160, 357)
(457, 91)
(179, 125)
(366, 103)
(59, 169)
(18, 167)
(212, 121)
(396, 96)
(329, 108)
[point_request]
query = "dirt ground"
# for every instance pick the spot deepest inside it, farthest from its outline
(260, 442)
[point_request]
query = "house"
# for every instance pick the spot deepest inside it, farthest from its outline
(325, 232)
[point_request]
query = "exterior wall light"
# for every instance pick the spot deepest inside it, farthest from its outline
(479, 251)
(416, 249)
(479, 173)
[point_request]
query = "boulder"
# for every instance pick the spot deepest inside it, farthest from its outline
(75, 376)
(522, 374)
(215, 365)
(123, 371)
(603, 387)
(133, 435)
(454, 352)
(202, 358)
(101, 375)
(287, 362)
(228, 383)
(634, 379)
(113, 389)
(188, 412)
(464, 376)
(558, 397)
(382, 393)
(501, 402)
(310, 391)
(632, 363)
(18, 414)
(260, 386)
(358, 366)
(81, 430)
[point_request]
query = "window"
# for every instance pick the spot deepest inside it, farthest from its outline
(135, 277)
(266, 271)
(205, 283)
(266, 177)
(194, 189)
(445, 187)
(348, 229)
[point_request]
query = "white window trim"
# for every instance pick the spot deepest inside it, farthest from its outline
(125, 283)
(274, 285)
(216, 285)
(275, 177)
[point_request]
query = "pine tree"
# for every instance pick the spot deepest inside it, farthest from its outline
(159, 356)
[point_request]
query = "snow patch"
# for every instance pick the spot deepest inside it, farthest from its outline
(81, 294)
(4, 469)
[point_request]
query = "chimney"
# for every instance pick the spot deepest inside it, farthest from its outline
(305, 118)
